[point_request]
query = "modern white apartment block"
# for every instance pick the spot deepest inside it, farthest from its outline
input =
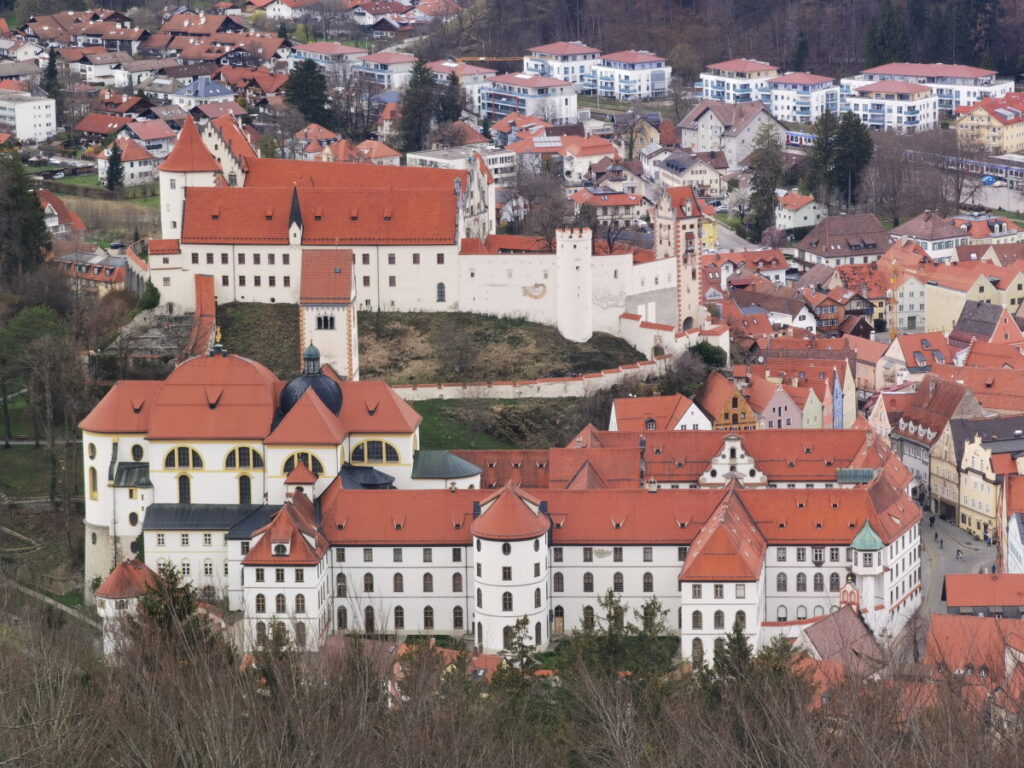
(472, 79)
(955, 85)
(736, 80)
(800, 97)
(530, 95)
(895, 106)
(389, 70)
(333, 58)
(632, 75)
(572, 62)
(500, 162)
(29, 118)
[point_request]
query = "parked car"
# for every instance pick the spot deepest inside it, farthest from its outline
(989, 181)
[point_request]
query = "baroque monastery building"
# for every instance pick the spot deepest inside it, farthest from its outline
(309, 504)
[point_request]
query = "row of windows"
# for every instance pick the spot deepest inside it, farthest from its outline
(224, 259)
(557, 554)
(279, 574)
(397, 583)
(300, 632)
(280, 604)
(618, 582)
(392, 258)
(398, 616)
(817, 554)
(257, 281)
(397, 553)
(718, 620)
(506, 600)
(834, 582)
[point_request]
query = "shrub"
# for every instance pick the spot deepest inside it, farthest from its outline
(150, 297)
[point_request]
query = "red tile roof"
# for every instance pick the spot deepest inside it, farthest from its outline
(125, 409)
(908, 69)
(300, 475)
(131, 578)
(632, 57)
(729, 546)
(510, 515)
(326, 277)
(190, 154)
(632, 413)
(309, 422)
(564, 49)
(304, 543)
(892, 86)
(101, 124)
(793, 201)
(742, 65)
(265, 172)
(801, 78)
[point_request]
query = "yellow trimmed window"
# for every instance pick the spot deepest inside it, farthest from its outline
(375, 452)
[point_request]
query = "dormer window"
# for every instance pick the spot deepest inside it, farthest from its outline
(280, 550)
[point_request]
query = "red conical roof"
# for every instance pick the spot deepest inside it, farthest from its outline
(132, 578)
(512, 516)
(189, 155)
(300, 475)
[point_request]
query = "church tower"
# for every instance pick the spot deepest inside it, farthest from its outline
(189, 164)
(327, 312)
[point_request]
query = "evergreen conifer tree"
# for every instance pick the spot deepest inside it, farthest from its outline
(766, 165)
(115, 169)
(23, 234)
(853, 153)
(449, 106)
(418, 108)
(306, 90)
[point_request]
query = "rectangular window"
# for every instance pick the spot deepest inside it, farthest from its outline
(648, 554)
(339, 555)
(245, 547)
(456, 555)
(588, 554)
(259, 575)
(392, 281)
(801, 554)
(741, 591)
(695, 591)
(617, 554)
(159, 539)
(556, 554)
(367, 555)
(681, 553)
(391, 259)
(287, 281)
(272, 281)
(207, 539)
(719, 591)
(833, 554)
(415, 258)
(300, 574)
(286, 259)
(440, 258)
(223, 258)
(241, 280)
(209, 258)
(396, 555)
(428, 555)
(819, 554)
(255, 258)
(366, 258)
(869, 559)
(256, 281)
(195, 258)
(279, 575)
(270, 259)
(241, 258)
(366, 281)
(536, 570)
(184, 539)
(506, 573)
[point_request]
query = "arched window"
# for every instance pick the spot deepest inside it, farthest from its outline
(782, 614)
(311, 461)
(374, 452)
(244, 490)
(801, 582)
(456, 582)
(819, 610)
(506, 601)
(399, 617)
(618, 582)
(369, 623)
(399, 583)
(650, 424)
(697, 620)
(341, 585)
(506, 637)
(440, 292)
(184, 489)
(536, 598)
(538, 634)
(588, 582)
(801, 612)
(697, 650)
(479, 599)
(133, 519)
(558, 582)
(428, 582)
(261, 632)
(741, 619)
(833, 582)
(819, 582)
(280, 604)
(780, 582)
(243, 458)
(261, 603)
(368, 583)
(300, 635)
(588, 618)
(183, 458)
(648, 582)
(137, 456)
(93, 483)
(719, 620)
(457, 620)
(506, 549)
(428, 618)
(300, 603)
(342, 618)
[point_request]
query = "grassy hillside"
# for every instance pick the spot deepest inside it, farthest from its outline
(268, 333)
(418, 348)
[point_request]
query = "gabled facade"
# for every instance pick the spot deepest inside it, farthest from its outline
(725, 405)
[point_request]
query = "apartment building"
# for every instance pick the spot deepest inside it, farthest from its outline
(894, 105)
(632, 75)
(800, 97)
(736, 80)
(28, 117)
(572, 62)
(953, 85)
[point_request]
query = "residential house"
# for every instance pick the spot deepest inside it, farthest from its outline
(30, 118)
(773, 404)
(660, 413)
(736, 81)
(391, 71)
(999, 390)
(725, 405)
(60, 220)
(832, 380)
(953, 85)
(472, 79)
(1000, 595)
(770, 264)
(335, 59)
(834, 308)
(796, 211)
(530, 95)
(910, 356)
(980, 321)
(994, 124)
(202, 91)
(935, 402)
(682, 168)
(727, 128)
(983, 228)
(514, 126)
(571, 62)
(138, 165)
(800, 97)
(614, 209)
(894, 106)
(988, 457)
(96, 126)
(631, 75)
(783, 306)
(985, 354)
(854, 239)
(575, 153)
(289, 10)
(938, 237)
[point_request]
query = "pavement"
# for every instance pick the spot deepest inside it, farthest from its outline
(936, 562)
(729, 241)
(1002, 198)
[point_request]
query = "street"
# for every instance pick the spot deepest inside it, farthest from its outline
(1002, 198)
(937, 562)
(730, 241)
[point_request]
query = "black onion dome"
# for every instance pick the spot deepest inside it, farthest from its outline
(326, 388)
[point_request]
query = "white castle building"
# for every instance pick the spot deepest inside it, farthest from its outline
(310, 505)
(405, 239)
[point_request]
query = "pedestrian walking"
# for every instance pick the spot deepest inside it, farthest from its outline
(931, 521)
(941, 542)
(936, 535)
(959, 554)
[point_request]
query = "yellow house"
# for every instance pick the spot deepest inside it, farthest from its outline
(996, 125)
(979, 488)
(944, 476)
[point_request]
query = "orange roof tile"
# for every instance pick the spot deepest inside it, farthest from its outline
(125, 409)
(131, 578)
(190, 154)
(326, 277)
(510, 515)
(632, 413)
(309, 422)
(300, 474)
(728, 548)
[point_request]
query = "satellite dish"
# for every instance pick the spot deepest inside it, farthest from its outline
(760, 358)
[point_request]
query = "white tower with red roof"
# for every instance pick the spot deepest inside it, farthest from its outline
(189, 164)
(117, 599)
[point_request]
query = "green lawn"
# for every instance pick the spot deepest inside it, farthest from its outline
(443, 427)
(21, 423)
(23, 472)
(91, 180)
(268, 333)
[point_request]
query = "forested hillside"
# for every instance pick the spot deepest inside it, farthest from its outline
(827, 36)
